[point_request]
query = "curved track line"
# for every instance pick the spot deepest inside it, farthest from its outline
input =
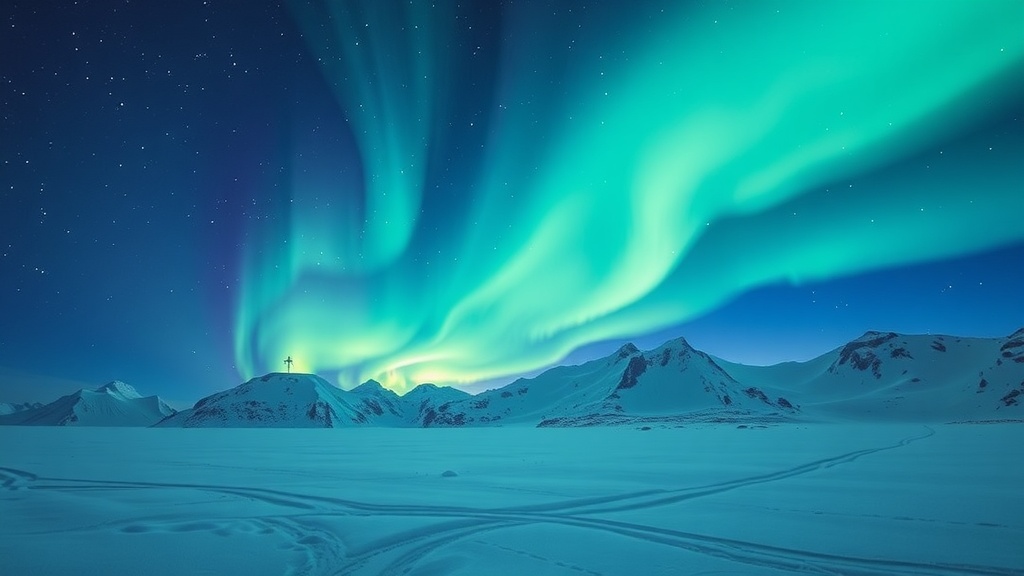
(411, 546)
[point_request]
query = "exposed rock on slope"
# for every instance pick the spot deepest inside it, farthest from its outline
(280, 400)
(877, 376)
(672, 382)
(904, 377)
(273, 400)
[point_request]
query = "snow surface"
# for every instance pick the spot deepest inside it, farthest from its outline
(707, 499)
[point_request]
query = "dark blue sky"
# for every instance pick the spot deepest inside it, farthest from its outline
(154, 158)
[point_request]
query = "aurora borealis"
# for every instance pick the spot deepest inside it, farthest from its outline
(603, 210)
(439, 193)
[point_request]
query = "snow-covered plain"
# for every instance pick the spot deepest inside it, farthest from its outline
(705, 499)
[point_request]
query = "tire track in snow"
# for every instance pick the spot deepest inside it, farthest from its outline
(295, 500)
(429, 539)
(775, 557)
(765, 556)
(411, 546)
(683, 494)
(13, 479)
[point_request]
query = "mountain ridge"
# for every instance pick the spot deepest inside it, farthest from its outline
(12, 407)
(876, 376)
(112, 404)
(887, 375)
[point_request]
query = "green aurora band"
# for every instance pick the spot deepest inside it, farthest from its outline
(647, 175)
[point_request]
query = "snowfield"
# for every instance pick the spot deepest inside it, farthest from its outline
(705, 499)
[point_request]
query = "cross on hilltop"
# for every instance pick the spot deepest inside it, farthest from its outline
(288, 362)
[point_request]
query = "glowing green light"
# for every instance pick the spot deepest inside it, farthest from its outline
(655, 189)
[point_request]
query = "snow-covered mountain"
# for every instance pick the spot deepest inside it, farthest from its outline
(427, 398)
(273, 401)
(9, 408)
(904, 377)
(877, 376)
(113, 404)
(672, 383)
(280, 400)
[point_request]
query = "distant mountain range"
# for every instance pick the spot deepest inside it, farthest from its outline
(281, 400)
(113, 404)
(6, 408)
(879, 376)
(900, 377)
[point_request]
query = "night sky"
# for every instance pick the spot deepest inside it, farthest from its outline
(461, 193)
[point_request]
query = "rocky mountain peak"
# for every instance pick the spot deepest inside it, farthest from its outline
(628, 349)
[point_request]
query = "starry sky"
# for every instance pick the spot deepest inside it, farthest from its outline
(462, 193)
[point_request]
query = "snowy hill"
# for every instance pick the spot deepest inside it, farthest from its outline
(378, 404)
(280, 400)
(883, 376)
(433, 394)
(426, 398)
(275, 400)
(673, 383)
(8, 408)
(904, 377)
(113, 404)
